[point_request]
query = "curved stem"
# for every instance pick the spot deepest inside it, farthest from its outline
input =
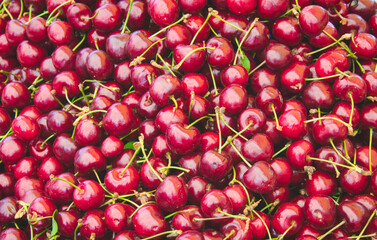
(278, 127)
(325, 117)
(243, 39)
(78, 45)
(236, 135)
(370, 148)
(218, 127)
(71, 103)
(264, 224)
(140, 58)
(130, 162)
(331, 230)
(257, 67)
(231, 24)
(201, 27)
(46, 140)
(167, 27)
(22, 9)
(53, 178)
(127, 17)
(232, 129)
(214, 80)
(7, 11)
(239, 154)
(141, 140)
(298, 6)
(56, 9)
(100, 183)
(230, 234)
(340, 154)
(197, 120)
(177, 66)
(322, 78)
(281, 150)
(288, 229)
(163, 233)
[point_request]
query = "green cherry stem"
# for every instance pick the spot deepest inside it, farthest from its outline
(218, 127)
(137, 150)
(213, 78)
(244, 38)
(197, 120)
(230, 139)
(210, 11)
(141, 140)
(81, 41)
(288, 229)
(184, 17)
(239, 154)
(331, 230)
(366, 225)
(230, 234)
(127, 17)
(370, 148)
(177, 66)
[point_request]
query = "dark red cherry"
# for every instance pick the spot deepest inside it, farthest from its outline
(196, 23)
(321, 183)
(213, 201)
(116, 217)
(108, 18)
(116, 46)
(288, 215)
(253, 116)
(313, 19)
(59, 121)
(228, 31)
(260, 178)
(25, 184)
(42, 207)
(147, 176)
(271, 9)
(234, 99)
(63, 58)
(88, 132)
(13, 233)
(67, 222)
(139, 44)
(364, 45)
(176, 35)
(99, 65)
(244, 7)
(5, 121)
(60, 33)
(8, 209)
(15, 95)
(287, 31)
(12, 149)
(171, 194)
(299, 153)
(268, 98)
(352, 182)
(118, 120)
(90, 196)
(194, 83)
(293, 77)
(182, 139)
(283, 171)
(78, 15)
(277, 56)
(222, 55)
(93, 224)
(237, 195)
(318, 94)
(149, 221)
(67, 84)
(258, 148)
(36, 30)
(354, 23)
(211, 234)
(50, 165)
(350, 87)
(47, 69)
(320, 211)
(362, 157)
(87, 159)
(364, 8)
(214, 165)
(257, 39)
(261, 78)
(25, 167)
(122, 182)
(163, 12)
(7, 182)
(65, 148)
(259, 224)
(195, 57)
(329, 130)
(355, 215)
(292, 124)
(15, 31)
(163, 88)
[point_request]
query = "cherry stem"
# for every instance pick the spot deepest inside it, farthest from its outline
(213, 31)
(175, 232)
(210, 10)
(22, 9)
(81, 41)
(90, 18)
(130, 90)
(177, 66)
(53, 178)
(322, 78)
(30, 9)
(46, 140)
(53, 92)
(281, 150)
(226, 124)
(230, 234)
(141, 140)
(140, 206)
(7, 11)
(140, 58)
(239, 154)
(278, 127)
(350, 130)
(234, 180)
(213, 78)
(342, 73)
(298, 6)
(184, 17)
(56, 9)
(175, 213)
(165, 64)
(130, 162)
(218, 127)
(230, 139)
(339, 153)
(9, 73)
(35, 82)
(197, 120)
(174, 101)
(264, 224)
(331, 230)
(192, 95)
(370, 148)
(77, 228)
(81, 88)
(354, 167)
(100, 183)
(127, 17)
(174, 167)
(71, 103)
(231, 24)
(321, 49)
(366, 225)
(132, 131)
(326, 117)
(288, 229)
(257, 67)
(243, 39)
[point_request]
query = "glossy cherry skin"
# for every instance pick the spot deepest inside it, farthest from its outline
(171, 194)
(149, 221)
(60, 33)
(258, 148)
(25, 128)
(90, 197)
(64, 149)
(118, 120)
(7, 182)
(42, 207)
(15, 95)
(108, 18)
(328, 153)
(184, 220)
(288, 214)
(195, 60)
(320, 211)
(194, 83)
(182, 140)
(214, 166)
(25, 167)
(163, 12)
(116, 217)
(257, 39)
(164, 87)
(8, 209)
(67, 222)
(292, 124)
(87, 159)
(237, 195)
(298, 153)
(287, 31)
(268, 98)
(12, 149)
(253, 116)
(238, 229)
(260, 178)
(93, 224)
(321, 183)
(329, 130)
(13, 233)
(318, 19)
(213, 200)
(283, 171)
(353, 85)
(293, 77)
(197, 187)
(364, 45)
(99, 65)
(244, 7)
(368, 115)
(362, 157)
(138, 43)
(122, 183)
(318, 94)
(327, 63)
(355, 215)
(222, 55)
(234, 99)
(353, 182)
(126, 235)
(147, 176)
(277, 56)
(261, 78)
(61, 191)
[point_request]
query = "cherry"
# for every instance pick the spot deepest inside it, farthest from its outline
(12, 149)
(189, 58)
(59, 121)
(182, 139)
(237, 229)
(15, 95)
(283, 171)
(329, 129)
(293, 77)
(88, 132)
(88, 195)
(214, 165)
(163, 88)
(343, 110)
(258, 148)
(287, 31)
(253, 116)
(299, 153)
(42, 207)
(151, 178)
(122, 181)
(364, 8)
(353, 182)
(197, 26)
(25, 167)
(288, 219)
(5, 121)
(313, 19)
(93, 224)
(318, 94)
(320, 211)
(64, 149)
(194, 83)
(163, 12)
(99, 65)
(78, 15)
(329, 153)
(15, 31)
(148, 221)
(214, 204)
(117, 120)
(141, 75)
(7, 182)
(60, 33)
(116, 217)
(257, 39)
(8, 209)
(244, 7)
(222, 55)
(50, 165)
(107, 18)
(269, 100)
(229, 31)
(87, 159)
(126, 235)
(233, 99)
(139, 44)
(262, 78)
(292, 124)
(36, 30)
(354, 214)
(368, 201)
(354, 23)
(67, 221)
(321, 183)
(211, 234)
(362, 157)
(171, 194)
(63, 58)
(13, 233)
(238, 197)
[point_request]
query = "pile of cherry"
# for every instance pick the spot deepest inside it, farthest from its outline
(188, 119)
